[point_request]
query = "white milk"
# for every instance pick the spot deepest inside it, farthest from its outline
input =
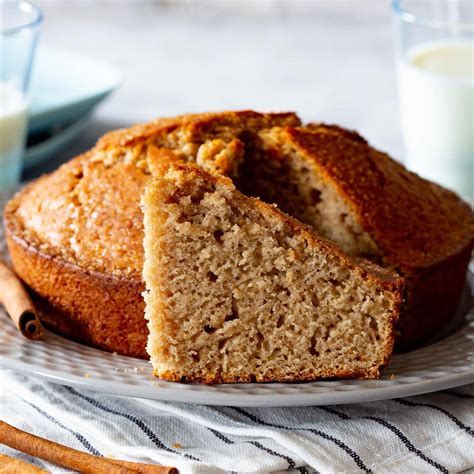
(437, 109)
(13, 119)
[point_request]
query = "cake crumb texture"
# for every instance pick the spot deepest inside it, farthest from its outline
(237, 291)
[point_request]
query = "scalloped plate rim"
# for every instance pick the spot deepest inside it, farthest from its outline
(254, 394)
(368, 394)
(62, 361)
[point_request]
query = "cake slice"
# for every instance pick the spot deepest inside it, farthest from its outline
(371, 206)
(237, 291)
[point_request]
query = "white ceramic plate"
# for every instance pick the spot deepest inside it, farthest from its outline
(440, 365)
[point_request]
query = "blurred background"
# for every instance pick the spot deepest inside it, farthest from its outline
(329, 60)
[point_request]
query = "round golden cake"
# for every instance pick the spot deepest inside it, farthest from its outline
(76, 236)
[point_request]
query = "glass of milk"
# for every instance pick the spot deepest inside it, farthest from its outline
(435, 65)
(19, 27)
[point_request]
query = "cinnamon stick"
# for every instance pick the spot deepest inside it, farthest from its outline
(16, 466)
(18, 304)
(72, 458)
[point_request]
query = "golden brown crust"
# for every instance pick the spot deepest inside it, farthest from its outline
(382, 191)
(333, 128)
(87, 214)
(97, 309)
(229, 377)
(432, 296)
(195, 126)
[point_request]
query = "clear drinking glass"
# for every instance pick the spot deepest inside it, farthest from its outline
(19, 27)
(435, 64)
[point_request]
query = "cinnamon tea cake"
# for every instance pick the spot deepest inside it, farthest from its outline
(237, 291)
(75, 236)
(371, 206)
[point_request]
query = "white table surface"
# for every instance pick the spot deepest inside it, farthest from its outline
(329, 60)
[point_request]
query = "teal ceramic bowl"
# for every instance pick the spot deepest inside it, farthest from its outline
(53, 143)
(66, 86)
(65, 89)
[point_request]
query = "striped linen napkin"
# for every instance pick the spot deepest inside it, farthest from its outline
(427, 433)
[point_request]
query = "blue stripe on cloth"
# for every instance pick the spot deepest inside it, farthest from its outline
(408, 444)
(356, 458)
(77, 435)
(141, 424)
(455, 420)
(225, 439)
